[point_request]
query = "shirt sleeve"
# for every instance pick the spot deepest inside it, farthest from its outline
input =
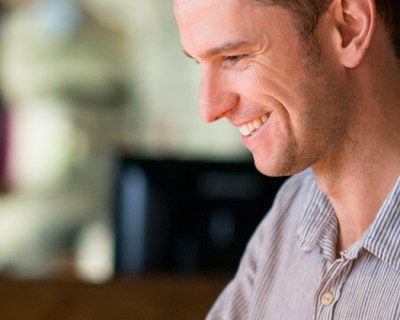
(235, 300)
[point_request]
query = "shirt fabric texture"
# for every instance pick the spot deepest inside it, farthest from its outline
(289, 270)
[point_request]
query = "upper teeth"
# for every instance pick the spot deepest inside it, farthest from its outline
(247, 128)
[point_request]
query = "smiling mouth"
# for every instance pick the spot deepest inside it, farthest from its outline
(250, 127)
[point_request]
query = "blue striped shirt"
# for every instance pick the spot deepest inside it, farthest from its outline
(290, 270)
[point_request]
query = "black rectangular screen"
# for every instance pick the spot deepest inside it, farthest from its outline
(186, 215)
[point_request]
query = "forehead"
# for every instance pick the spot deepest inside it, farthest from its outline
(202, 22)
(197, 4)
(206, 9)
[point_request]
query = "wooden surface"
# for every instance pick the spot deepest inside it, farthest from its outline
(148, 298)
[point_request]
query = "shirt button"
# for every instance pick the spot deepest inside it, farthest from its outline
(327, 298)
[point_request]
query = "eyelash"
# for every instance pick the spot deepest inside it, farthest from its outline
(235, 59)
(231, 59)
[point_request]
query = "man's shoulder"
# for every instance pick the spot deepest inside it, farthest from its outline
(290, 201)
(295, 190)
(284, 216)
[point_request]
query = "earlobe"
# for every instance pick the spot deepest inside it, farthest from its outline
(356, 21)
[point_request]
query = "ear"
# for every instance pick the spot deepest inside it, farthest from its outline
(355, 23)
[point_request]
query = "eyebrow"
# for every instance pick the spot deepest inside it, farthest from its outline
(226, 47)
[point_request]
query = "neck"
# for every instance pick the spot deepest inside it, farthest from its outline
(356, 197)
(358, 181)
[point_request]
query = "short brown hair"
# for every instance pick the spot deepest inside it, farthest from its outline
(307, 13)
(389, 10)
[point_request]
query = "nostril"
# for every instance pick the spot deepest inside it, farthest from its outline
(209, 119)
(213, 117)
(215, 99)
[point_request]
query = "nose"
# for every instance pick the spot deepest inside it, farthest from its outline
(215, 98)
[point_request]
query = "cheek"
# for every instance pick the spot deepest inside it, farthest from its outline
(321, 118)
(269, 84)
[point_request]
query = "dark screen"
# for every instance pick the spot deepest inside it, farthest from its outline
(186, 215)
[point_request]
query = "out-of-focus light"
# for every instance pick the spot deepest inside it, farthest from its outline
(40, 145)
(94, 261)
(56, 18)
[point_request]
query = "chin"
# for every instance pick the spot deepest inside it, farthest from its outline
(276, 168)
(267, 169)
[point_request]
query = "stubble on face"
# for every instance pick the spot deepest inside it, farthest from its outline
(321, 128)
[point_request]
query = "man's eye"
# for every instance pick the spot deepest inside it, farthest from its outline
(235, 59)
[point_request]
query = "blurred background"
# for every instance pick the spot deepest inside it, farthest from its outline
(82, 82)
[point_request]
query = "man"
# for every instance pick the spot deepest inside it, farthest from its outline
(313, 87)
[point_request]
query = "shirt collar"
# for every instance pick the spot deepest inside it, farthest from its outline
(318, 216)
(382, 238)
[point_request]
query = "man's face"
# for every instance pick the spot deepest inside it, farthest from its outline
(288, 105)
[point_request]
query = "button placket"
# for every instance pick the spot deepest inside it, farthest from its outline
(329, 291)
